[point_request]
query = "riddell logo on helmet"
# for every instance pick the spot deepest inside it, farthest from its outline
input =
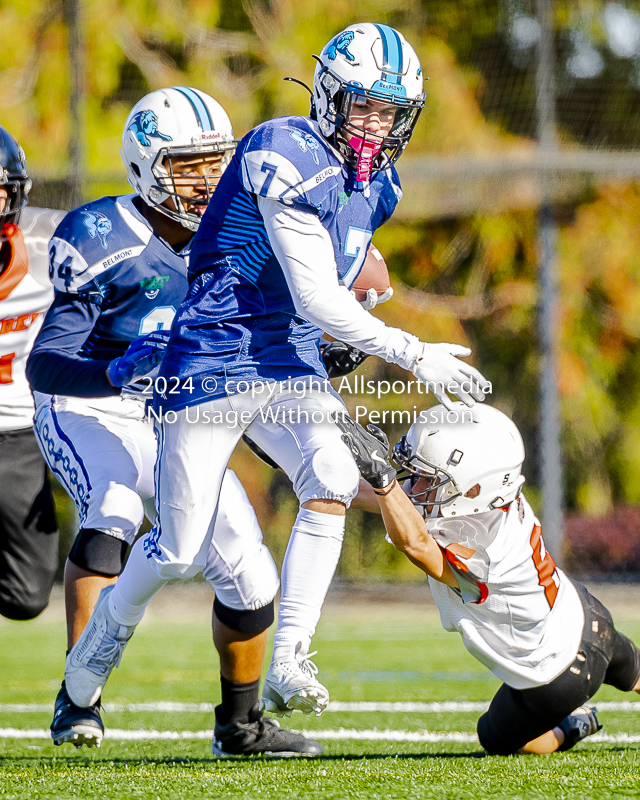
(206, 136)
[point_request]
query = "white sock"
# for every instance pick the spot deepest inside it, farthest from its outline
(134, 588)
(309, 563)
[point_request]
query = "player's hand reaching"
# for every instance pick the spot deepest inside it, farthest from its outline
(141, 359)
(370, 450)
(443, 372)
(340, 359)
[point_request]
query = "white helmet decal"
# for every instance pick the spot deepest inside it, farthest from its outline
(145, 124)
(171, 123)
(455, 451)
(367, 63)
(340, 45)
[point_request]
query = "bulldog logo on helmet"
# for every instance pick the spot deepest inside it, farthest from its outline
(341, 45)
(144, 125)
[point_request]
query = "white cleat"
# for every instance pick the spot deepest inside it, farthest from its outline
(95, 654)
(292, 685)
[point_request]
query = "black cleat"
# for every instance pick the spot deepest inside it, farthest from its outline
(260, 736)
(74, 724)
(578, 725)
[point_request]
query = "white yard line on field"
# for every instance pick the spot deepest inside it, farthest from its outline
(167, 707)
(341, 734)
(336, 735)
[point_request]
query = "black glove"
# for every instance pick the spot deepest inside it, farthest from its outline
(258, 451)
(341, 359)
(370, 449)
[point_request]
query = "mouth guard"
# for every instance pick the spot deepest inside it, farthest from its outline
(367, 151)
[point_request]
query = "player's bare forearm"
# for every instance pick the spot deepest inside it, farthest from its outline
(366, 499)
(409, 534)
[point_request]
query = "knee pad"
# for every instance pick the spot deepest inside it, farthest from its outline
(333, 475)
(245, 621)
(247, 581)
(98, 552)
(115, 507)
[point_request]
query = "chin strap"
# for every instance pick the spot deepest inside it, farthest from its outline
(367, 150)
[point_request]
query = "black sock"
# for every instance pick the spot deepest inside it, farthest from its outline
(237, 701)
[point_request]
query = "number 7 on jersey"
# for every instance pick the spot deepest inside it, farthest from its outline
(270, 169)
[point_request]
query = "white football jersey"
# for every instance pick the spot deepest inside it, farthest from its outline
(518, 614)
(25, 295)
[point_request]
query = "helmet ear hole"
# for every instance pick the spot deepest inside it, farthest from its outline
(474, 491)
(135, 169)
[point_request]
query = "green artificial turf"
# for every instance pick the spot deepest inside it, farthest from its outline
(374, 653)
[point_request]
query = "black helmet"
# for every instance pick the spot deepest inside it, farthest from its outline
(13, 177)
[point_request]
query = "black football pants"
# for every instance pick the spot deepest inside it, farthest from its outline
(517, 716)
(28, 528)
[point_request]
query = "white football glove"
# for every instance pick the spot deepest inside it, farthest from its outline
(442, 372)
(374, 299)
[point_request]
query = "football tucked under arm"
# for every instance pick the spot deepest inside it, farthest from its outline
(305, 252)
(306, 255)
(372, 286)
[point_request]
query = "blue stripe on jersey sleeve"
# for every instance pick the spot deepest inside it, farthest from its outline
(243, 239)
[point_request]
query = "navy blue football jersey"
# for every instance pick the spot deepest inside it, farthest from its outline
(114, 280)
(238, 321)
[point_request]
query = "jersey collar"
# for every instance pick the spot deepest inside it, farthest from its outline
(359, 186)
(135, 220)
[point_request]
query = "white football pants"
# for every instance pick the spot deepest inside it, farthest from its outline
(103, 452)
(193, 453)
(194, 449)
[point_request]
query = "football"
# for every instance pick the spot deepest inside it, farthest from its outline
(373, 275)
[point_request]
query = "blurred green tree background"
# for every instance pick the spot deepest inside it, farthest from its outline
(463, 252)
